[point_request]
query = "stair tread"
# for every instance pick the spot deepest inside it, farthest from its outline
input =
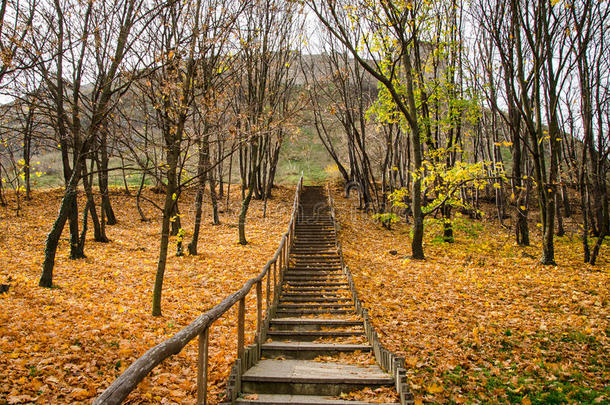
(313, 372)
(298, 298)
(316, 305)
(277, 399)
(315, 321)
(325, 333)
(308, 346)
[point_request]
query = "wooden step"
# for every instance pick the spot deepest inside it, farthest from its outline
(280, 399)
(315, 306)
(313, 272)
(281, 312)
(308, 350)
(316, 289)
(330, 244)
(313, 242)
(284, 299)
(315, 277)
(313, 296)
(312, 323)
(310, 335)
(331, 255)
(313, 263)
(309, 248)
(302, 377)
(316, 284)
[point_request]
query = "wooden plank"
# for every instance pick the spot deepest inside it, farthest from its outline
(268, 289)
(275, 279)
(259, 307)
(241, 316)
(202, 368)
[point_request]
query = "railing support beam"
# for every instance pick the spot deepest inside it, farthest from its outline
(241, 317)
(202, 368)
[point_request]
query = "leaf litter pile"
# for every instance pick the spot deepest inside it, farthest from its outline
(480, 320)
(67, 344)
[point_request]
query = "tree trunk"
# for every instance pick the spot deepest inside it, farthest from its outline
(567, 211)
(97, 231)
(65, 209)
(560, 230)
(2, 200)
(124, 173)
(27, 154)
(76, 250)
(165, 225)
(169, 208)
(244, 211)
(139, 194)
(417, 244)
(175, 220)
(603, 226)
(585, 216)
(207, 166)
(214, 198)
(103, 180)
(447, 226)
(201, 173)
(83, 233)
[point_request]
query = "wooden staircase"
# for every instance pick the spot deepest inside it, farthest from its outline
(316, 340)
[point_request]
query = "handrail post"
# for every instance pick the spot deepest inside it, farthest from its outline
(268, 287)
(284, 260)
(241, 315)
(202, 367)
(281, 263)
(259, 308)
(274, 279)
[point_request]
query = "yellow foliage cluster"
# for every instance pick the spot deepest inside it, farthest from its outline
(480, 320)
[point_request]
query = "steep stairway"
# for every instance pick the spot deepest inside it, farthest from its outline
(316, 346)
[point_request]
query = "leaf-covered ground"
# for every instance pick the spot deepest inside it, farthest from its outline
(65, 345)
(481, 321)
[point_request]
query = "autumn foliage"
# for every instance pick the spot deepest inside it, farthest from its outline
(67, 344)
(481, 320)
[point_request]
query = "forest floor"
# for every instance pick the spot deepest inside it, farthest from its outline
(480, 320)
(67, 344)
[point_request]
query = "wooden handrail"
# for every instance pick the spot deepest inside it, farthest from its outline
(128, 381)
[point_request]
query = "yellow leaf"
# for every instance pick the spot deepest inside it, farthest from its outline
(80, 394)
(434, 388)
(526, 401)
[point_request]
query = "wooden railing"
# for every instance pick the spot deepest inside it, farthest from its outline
(272, 274)
(388, 361)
